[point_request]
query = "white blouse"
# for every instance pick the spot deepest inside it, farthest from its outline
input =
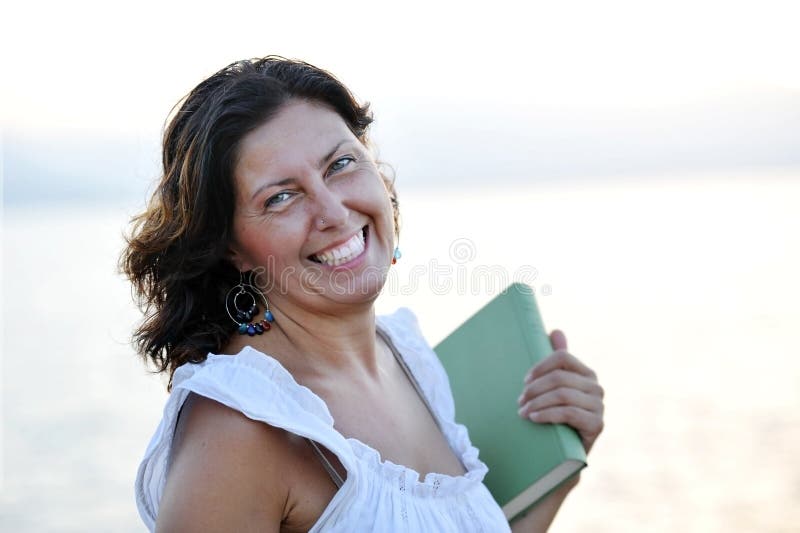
(377, 495)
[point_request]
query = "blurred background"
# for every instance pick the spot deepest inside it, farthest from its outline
(637, 163)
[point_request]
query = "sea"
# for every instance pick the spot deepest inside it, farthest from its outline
(681, 292)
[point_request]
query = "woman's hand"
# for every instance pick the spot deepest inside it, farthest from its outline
(562, 390)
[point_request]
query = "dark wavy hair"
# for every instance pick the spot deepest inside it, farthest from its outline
(176, 251)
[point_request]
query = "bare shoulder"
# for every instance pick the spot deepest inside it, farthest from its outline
(228, 472)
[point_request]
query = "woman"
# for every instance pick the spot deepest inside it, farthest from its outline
(293, 407)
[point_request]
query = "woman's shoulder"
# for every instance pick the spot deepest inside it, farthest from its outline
(402, 324)
(230, 471)
(401, 316)
(249, 398)
(259, 386)
(218, 463)
(405, 332)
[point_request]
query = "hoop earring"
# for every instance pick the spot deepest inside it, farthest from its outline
(244, 316)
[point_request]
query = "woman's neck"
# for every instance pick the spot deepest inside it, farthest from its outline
(325, 344)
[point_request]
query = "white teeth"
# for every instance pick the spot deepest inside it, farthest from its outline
(344, 253)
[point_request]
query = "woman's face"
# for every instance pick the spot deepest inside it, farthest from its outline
(312, 211)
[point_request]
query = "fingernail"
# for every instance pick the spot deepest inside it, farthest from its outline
(534, 415)
(519, 400)
(519, 411)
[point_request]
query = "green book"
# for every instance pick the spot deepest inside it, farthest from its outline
(486, 359)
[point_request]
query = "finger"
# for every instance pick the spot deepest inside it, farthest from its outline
(588, 424)
(558, 340)
(561, 397)
(559, 360)
(559, 379)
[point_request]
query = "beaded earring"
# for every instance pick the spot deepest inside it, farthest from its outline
(243, 294)
(397, 255)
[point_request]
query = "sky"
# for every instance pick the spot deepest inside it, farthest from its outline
(691, 279)
(463, 93)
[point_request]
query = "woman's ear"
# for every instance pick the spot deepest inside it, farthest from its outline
(236, 259)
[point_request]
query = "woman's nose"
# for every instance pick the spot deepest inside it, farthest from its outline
(330, 212)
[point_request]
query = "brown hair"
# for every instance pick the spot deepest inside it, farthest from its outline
(176, 251)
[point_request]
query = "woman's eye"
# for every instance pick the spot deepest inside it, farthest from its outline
(340, 163)
(278, 198)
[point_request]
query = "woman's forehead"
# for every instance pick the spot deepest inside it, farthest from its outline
(300, 136)
(298, 129)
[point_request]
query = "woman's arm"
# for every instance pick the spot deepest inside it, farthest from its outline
(539, 518)
(560, 390)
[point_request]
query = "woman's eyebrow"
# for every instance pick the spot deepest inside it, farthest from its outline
(280, 183)
(287, 181)
(327, 156)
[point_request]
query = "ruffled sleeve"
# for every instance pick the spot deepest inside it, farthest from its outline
(249, 382)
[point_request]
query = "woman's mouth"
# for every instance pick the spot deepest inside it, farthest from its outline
(343, 253)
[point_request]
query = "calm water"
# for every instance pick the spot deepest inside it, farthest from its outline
(681, 294)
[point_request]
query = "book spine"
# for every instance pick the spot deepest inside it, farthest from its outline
(530, 322)
(570, 442)
(539, 347)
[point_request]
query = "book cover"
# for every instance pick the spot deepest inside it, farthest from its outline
(486, 359)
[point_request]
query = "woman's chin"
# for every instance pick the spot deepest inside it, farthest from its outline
(351, 287)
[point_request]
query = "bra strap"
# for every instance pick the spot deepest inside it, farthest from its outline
(337, 479)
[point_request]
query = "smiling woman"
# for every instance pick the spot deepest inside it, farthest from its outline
(320, 416)
(180, 250)
(305, 179)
